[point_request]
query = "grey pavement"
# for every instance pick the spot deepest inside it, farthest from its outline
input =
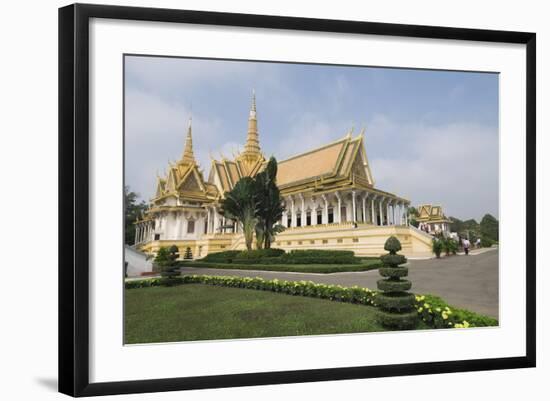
(469, 282)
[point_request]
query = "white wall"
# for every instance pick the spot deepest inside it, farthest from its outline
(29, 150)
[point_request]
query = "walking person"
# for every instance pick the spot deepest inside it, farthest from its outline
(466, 245)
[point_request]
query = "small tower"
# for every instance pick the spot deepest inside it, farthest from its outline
(188, 156)
(252, 147)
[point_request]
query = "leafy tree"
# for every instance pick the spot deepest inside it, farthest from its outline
(240, 205)
(489, 227)
(413, 214)
(132, 211)
(269, 205)
(456, 225)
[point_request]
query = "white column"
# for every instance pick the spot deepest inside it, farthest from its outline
(364, 205)
(406, 216)
(381, 212)
(216, 220)
(325, 210)
(293, 213)
(136, 234)
(304, 213)
(373, 211)
(339, 198)
(178, 218)
(354, 208)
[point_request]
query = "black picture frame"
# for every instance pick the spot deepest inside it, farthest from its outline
(74, 198)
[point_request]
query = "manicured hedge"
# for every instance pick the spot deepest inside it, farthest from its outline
(318, 253)
(278, 256)
(431, 309)
(302, 268)
(221, 257)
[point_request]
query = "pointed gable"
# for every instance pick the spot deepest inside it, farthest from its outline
(171, 181)
(160, 188)
(190, 184)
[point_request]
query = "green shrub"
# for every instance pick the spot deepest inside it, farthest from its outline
(188, 254)
(318, 253)
(221, 257)
(437, 247)
(449, 245)
(261, 253)
(437, 313)
(395, 303)
(486, 242)
(168, 264)
(278, 256)
(275, 264)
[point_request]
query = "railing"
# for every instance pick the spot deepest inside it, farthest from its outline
(421, 231)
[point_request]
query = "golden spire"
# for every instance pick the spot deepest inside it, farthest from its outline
(188, 152)
(252, 146)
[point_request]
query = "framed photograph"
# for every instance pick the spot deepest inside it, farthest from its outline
(252, 199)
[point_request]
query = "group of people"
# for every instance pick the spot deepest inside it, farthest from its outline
(465, 244)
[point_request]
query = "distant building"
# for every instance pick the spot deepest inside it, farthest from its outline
(432, 220)
(329, 193)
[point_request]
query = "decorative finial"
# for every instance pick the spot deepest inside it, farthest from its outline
(253, 107)
(252, 146)
(188, 155)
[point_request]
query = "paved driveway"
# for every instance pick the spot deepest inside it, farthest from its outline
(469, 282)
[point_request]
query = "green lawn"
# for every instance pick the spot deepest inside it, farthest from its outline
(365, 265)
(203, 312)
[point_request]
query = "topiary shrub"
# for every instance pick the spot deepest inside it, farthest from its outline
(395, 303)
(188, 254)
(168, 264)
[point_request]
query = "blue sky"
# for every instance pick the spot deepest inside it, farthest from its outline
(431, 136)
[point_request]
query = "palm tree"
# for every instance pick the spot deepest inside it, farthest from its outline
(270, 206)
(240, 205)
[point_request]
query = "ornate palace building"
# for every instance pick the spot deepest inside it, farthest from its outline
(432, 220)
(329, 192)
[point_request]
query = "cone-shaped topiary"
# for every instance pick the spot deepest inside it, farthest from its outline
(168, 261)
(188, 254)
(395, 303)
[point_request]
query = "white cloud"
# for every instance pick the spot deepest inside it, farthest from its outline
(309, 131)
(455, 165)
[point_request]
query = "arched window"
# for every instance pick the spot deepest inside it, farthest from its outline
(190, 226)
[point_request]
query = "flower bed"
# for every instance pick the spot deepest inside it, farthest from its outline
(431, 309)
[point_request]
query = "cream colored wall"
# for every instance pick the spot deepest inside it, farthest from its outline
(365, 240)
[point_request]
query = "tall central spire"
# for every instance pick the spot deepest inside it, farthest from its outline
(252, 146)
(188, 156)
